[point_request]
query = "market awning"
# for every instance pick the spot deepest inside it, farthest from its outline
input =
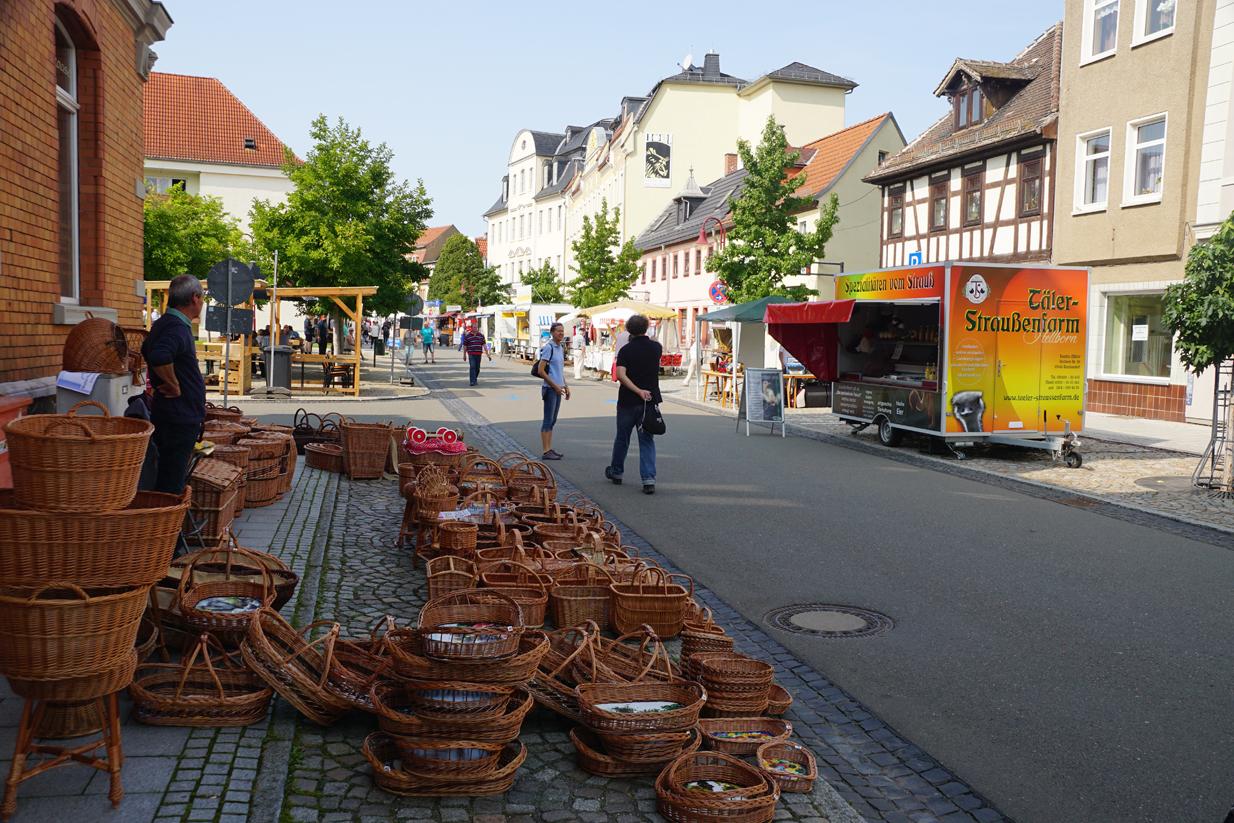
(809, 332)
(751, 312)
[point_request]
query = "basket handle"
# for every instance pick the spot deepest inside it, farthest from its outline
(327, 642)
(73, 587)
(525, 571)
(70, 422)
(588, 631)
(685, 577)
(652, 575)
(202, 648)
(72, 412)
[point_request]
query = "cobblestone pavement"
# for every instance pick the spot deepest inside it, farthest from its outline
(1137, 483)
(878, 774)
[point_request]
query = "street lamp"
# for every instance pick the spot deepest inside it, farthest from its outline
(720, 232)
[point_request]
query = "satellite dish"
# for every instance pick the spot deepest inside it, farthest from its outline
(687, 62)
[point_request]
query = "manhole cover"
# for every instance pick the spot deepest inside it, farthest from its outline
(829, 620)
(1166, 483)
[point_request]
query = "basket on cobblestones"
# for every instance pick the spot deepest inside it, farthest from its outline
(778, 700)
(215, 564)
(200, 691)
(299, 670)
(457, 538)
(450, 574)
(607, 707)
(479, 473)
(311, 428)
(203, 597)
(76, 463)
(582, 595)
(286, 455)
(528, 589)
(789, 764)
(594, 758)
(570, 650)
(392, 774)
(646, 747)
(703, 634)
(237, 456)
(263, 483)
(742, 735)
(527, 480)
(215, 483)
(619, 660)
(366, 447)
(734, 674)
(471, 624)
(125, 547)
(651, 599)
(410, 661)
(61, 630)
(457, 700)
(687, 790)
(325, 456)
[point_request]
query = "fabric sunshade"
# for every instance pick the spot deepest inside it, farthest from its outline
(751, 312)
(809, 332)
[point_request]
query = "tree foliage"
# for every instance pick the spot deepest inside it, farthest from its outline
(1200, 308)
(545, 284)
(764, 245)
(348, 222)
(187, 234)
(603, 276)
(460, 277)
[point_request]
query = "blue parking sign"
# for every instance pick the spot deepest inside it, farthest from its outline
(914, 258)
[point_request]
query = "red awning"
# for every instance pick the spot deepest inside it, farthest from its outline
(821, 311)
(808, 331)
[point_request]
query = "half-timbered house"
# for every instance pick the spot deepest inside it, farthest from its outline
(979, 183)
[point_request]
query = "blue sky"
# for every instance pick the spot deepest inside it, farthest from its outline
(447, 85)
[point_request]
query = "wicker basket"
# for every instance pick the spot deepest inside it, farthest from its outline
(450, 574)
(61, 630)
(789, 764)
(581, 597)
(80, 687)
(148, 637)
(39, 546)
(76, 463)
(593, 696)
(528, 588)
(753, 800)
(325, 456)
(231, 413)
(734, 675)
(453, 758)
(311, 428)
(703, 634)
(448, 629)
(478, 473)
(264, 483)
(650, 599)
(594, 758)
(410, 661)
(646, 747)
(618, 661)
(215, 484)
(199, 693)
(96, 344)
(529, 480)
(742, 735)
(295, 668)
(286, 455)
(457, 538)
(366, 446)
(391, 774)
(778, 700)
(216, 564)
(234, 581)
(237, 456)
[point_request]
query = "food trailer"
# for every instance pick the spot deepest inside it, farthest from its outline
(963, 352)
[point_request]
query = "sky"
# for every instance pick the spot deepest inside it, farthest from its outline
(447, 85)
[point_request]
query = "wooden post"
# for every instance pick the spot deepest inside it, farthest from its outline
(355, 382)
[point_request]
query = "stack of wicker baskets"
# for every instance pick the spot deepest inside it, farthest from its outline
(451, 726)
(216, 484)
(636, 728)
(79, 550)
(366, 448)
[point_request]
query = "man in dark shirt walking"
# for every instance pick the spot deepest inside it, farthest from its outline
(638, 371)
(179, 406)
(323, 334)
(474, 347)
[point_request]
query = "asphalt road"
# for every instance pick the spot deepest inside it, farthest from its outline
(1069, 666)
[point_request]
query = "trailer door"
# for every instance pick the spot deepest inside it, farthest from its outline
(1017, 381)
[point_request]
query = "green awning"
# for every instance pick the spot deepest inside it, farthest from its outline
(751, 312)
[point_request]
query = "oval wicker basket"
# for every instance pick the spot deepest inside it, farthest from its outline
(297, 669)
(742, 735)
(753, 800)
(325, 456)
(79, 632)
(231, 413)
(454, 758)
(410, 661)
(778, 700)
(76, 463)
(595, 759)
(96, 344)
(690, 698)
(197, 693)
(392, 775)
(773, 757)
(234, 580)
(37, 546)
(449, 629)
(82, 687)
(396, 715)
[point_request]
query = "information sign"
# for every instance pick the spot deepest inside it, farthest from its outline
(763, 397)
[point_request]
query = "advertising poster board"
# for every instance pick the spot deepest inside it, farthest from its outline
(1016, 340)
(763, 397)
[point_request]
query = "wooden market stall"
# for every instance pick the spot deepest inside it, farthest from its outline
(340, 373)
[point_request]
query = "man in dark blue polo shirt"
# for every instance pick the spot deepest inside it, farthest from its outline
(179, 406)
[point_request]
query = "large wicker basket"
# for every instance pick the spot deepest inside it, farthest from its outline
(126, 547)
(324, 456)
(297, 669)
(390, 774)
(237, 456)
(471, 624)
(592, 697)
(651, 599)
(61, 630)
(96, 344)
(215, 484)
(76, 463)
(233, 582)
(366, 447)
(752, 799)
(199, 693)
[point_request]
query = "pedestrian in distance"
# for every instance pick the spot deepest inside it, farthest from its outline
(322, 334)
(475, 346)
(551, 368)
(638, 372)
(428, 337)
(578, 349)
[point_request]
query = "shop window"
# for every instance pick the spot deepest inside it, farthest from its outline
(1093, 176)
(895, 217)
(1137, 344)
(1145, 160)
(938, 205)
(1030, 187)
(973, 182)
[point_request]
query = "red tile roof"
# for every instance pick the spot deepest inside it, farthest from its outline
(199, 119)
(482, 245)
(431, 235)
(830, 155)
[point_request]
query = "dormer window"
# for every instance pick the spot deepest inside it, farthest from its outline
(968, 106)
(250, 144)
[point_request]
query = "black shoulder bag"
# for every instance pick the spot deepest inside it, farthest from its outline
(653, 421)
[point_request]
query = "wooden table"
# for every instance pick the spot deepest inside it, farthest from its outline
(724, 385)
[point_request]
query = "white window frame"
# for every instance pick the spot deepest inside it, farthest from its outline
(1129, 164)
(67, 99)
(1103, 374)
(1138, 36)
(1086, 44)
(1078, 206)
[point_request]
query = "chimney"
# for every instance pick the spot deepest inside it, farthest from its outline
(711, 66)
(730, 163)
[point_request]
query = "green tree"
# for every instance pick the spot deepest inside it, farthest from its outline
(187, 234)
(348, 222)
(1200, 308)
(545, 284)
(602, 275)
(460, 277)
(764, 245)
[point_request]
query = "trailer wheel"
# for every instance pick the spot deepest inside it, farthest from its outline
(888, 434)
(1074, 460)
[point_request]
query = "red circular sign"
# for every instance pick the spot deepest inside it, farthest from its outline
(718, 292)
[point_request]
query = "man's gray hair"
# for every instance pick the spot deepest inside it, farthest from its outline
(182, 290)
(637, 324)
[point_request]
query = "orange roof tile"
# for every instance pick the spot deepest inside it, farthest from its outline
(199, 119)
(431, 234)
(831, 154)
(482, 245)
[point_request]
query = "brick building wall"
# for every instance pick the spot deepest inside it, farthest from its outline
(110, 169)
